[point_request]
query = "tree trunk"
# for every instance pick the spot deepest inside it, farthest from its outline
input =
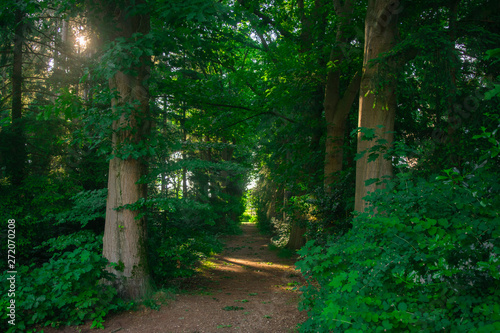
(125, 229)
(184, 156)
(297, 236)
(376, 109)
(337, 106)
(297, 222)
(336, 112)
(18, 155)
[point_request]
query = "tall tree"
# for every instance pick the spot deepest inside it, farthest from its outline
(18, 154)
(125, 228)
(377, 98)
(338, 105)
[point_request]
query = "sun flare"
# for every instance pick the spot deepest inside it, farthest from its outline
(81, 41)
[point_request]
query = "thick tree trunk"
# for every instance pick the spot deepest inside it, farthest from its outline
(337, 106)
(125, 231)
(124, 234)
(297, 236)
(18, 156)
(336, 112)
(376, 110)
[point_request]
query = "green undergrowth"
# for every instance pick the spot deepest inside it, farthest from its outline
(182, 234)
(69, 289)
(282, 252)
(427, 262)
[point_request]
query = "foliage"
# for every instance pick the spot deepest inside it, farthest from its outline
(66, 271)
(330, 211)
(31, 205)
(427, 261)
(180, 237)
(69, 289)
(88, 207)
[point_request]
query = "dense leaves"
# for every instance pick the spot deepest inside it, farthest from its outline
(66, 290)
(427, 262)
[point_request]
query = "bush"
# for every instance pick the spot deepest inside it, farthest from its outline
(67, 290)
(428, 261)
(33, 205)
(88, 207)
(180, 234)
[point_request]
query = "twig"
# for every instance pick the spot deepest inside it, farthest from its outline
(406, 241)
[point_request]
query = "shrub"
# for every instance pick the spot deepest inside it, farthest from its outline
(88, 206)
(428, 261)
(180, 234)
(67, 290)
(32, 205)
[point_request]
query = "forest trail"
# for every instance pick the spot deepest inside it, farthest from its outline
(246, 288)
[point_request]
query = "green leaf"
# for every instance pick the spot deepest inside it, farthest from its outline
(371, 181)
(386, 324)
(402, 307)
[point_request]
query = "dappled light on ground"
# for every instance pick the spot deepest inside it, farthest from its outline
(247, 288)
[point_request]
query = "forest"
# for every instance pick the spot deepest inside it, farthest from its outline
(361, 136)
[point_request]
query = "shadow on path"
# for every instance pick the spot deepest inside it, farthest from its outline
(247, 288)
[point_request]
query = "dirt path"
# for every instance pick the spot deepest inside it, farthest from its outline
(246, 289)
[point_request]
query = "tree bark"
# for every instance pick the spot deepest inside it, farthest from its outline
(337, 106)
(18, 155)
(184, 156)
(125, 229)
(377, 103)
(336, 112)
(297, 236)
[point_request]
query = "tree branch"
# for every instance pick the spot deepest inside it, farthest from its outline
(40, 92)
(351, 92)
(266, 19)
(255, 115)
(248, 118)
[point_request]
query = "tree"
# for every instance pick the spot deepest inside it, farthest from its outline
(124, 240)
(336, 104)
(16, 154)
(377, 98)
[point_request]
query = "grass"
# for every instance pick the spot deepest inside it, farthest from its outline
(224, 326)
(199, 291)
(207, 264)
(232, 308)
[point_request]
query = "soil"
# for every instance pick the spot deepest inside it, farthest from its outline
(247, 288)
